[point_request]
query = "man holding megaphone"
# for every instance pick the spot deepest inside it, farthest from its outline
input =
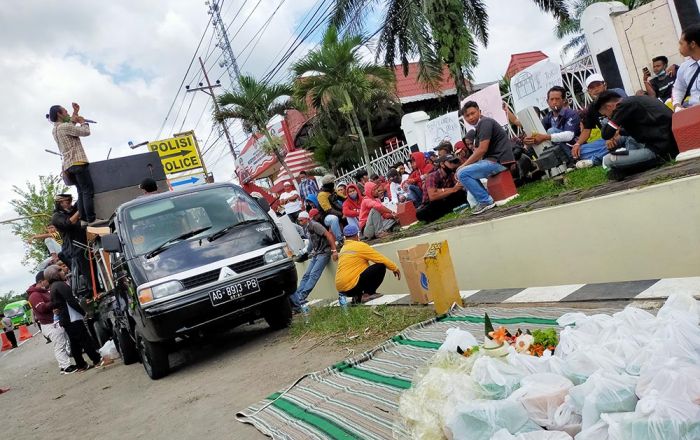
(67, 131)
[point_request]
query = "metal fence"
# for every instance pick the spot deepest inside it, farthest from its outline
(383, 160)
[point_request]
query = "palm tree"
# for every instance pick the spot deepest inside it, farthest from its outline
(437, 32)
(333, 77)
(254, 104)
(571, 25)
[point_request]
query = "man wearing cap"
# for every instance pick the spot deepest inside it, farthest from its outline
(444, 148)
(322, 249)
(442, 191)
(67, 131)
(355, 277)
(42, 307)
(291, 200)
(648, 120)
(592, 122)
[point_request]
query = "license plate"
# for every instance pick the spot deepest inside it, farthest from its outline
(233, 291)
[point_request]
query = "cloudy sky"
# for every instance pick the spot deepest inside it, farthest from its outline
(124, 61)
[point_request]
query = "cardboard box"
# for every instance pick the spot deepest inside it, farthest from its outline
(412, 265)
(439, 279)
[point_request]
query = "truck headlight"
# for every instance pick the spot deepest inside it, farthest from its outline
(159, 291)
(275, 255)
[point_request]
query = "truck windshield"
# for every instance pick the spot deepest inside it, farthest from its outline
(16, 311)
(149, 225)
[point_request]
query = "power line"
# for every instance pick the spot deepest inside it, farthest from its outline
(259, 34)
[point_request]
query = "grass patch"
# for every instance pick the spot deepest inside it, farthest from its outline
(577, 179)
(359, 324)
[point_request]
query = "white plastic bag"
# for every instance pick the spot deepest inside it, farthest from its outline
(605, 391)
(458, 338)
(496, 377)
(657, 418)
(566, 418)
(581, 364)
(541, 395)
(530, 364)
(109, 350)
(481, 419)
(680, 303)
(503, 434)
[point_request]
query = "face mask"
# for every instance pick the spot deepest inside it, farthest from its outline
(66, 118)
(661, 74)
(353, 196)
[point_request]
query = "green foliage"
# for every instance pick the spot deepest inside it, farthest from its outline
(577, 179)
(35, 203)
(546, 337)
(10, 297)
(359, 324)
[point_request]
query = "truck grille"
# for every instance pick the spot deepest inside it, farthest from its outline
(213, 275)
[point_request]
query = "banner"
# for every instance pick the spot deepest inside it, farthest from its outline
(490, 104)
(253, 161)
(445, 127)
(529, 87)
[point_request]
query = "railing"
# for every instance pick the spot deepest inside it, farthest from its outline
(383, 160)
(574, 76)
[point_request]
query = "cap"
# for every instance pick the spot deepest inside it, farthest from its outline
(39, 276)
(314, 212)
(350, 231)
(256, 195)
(303, 215)
(448, 158)
(596, 77)
(328, 178)
(444, 145)
(287, 183)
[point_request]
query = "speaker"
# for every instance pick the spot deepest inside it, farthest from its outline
(117, 180)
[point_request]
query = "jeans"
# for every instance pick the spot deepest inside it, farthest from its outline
(86, 191)
(369, 281)
(353, 221)
(333, 222)
(471, 175)
(81, 341)
(639, 158)
(594, 151)
(415, 195)
(11, 337)
(317, 264)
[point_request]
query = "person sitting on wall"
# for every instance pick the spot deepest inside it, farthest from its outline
(660, 86)
(329, 206)
(686, 89)
(401, 192)
(647, 120)
(442, 191)
(355, 277)
(331, 221)
(307, 185)
(590, 148)
(376, 220)
(352, 204)
(493, 149)
(361, 178)
(341, 193)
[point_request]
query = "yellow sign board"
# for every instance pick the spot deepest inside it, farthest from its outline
(177, 154)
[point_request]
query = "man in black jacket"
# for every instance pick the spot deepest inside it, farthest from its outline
(71, 316)
(645, 119)
(66, 219)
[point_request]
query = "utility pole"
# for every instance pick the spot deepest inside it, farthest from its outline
(229, 59)
(209, 90)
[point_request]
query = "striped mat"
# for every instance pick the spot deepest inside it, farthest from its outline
(358, 398)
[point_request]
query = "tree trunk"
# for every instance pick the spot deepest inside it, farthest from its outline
(460, 81)
(355, 126)
(280, 159)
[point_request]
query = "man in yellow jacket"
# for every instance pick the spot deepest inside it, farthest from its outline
(355, 277)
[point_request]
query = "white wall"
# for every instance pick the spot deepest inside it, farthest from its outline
(645, 233)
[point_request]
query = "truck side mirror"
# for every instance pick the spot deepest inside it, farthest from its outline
(263, 204)
(111, 243)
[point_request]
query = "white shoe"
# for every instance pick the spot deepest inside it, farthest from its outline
(586, 163)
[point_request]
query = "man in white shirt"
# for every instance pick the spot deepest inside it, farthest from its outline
(686, 89)
(291, 200)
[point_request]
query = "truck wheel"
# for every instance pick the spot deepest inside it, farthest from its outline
(154, 357)
(126, 346)
(102, 333)
(278, 314)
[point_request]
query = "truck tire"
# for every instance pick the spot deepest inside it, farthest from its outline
(278, 314)
(102, 333)
(126, 346)
(154, 357)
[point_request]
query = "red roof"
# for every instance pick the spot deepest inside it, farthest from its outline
(521, 61)
(409, 87)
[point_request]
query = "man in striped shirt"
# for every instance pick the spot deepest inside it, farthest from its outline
(67, 131)
(307, 186)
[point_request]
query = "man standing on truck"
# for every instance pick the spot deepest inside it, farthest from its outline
(323, 248)
(71, 316)
(66, 219)
(40, 299)
(67, 131)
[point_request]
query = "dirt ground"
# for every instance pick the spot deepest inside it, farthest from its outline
(199, 399)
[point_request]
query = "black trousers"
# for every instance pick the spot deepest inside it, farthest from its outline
(11, 337)
(432, 211)
(86, 191)
(81, 341)
(369, 281)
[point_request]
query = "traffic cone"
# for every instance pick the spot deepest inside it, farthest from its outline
(24, 333)
(6, 345)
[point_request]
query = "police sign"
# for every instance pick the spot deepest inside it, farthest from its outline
(177, 154)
